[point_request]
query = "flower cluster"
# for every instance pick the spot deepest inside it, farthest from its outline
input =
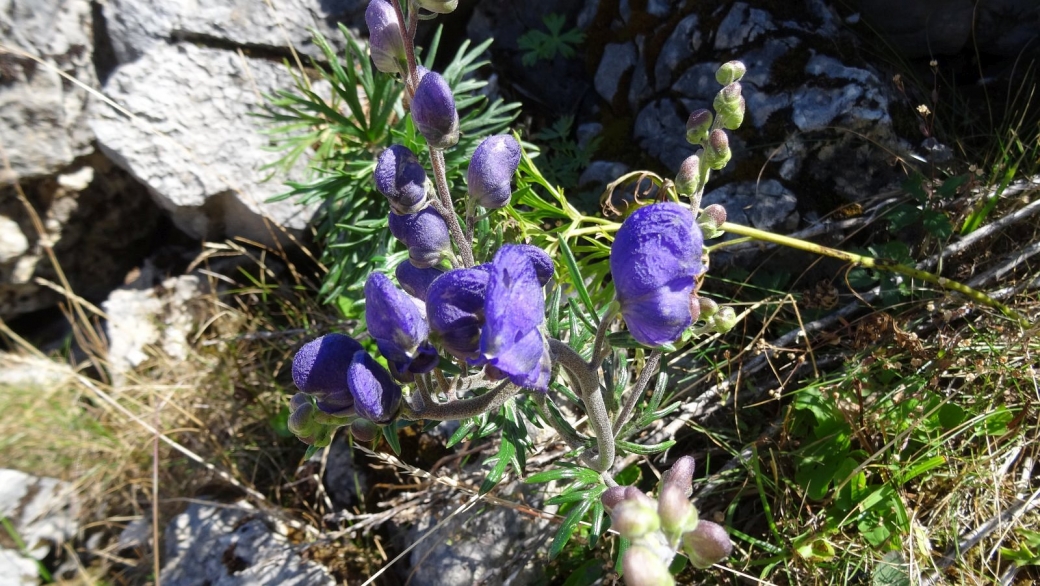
(656, 529)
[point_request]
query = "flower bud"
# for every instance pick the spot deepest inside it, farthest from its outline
(302, 420)
(439, 6)
(364, 430)
(376, 396)
(727, 99)
(676, 511)
(688, 179)
(434, 113)
(612, 496)
(698, 125)
(634, 518)
(401, 178)
(424, 233)
(708, 308)
(707, 544)
(455, 309)
(681, 474)
(397, 322)
(725, 319)
(732, 120)
(416, 281)
(718, 153)
(491, 171)
(730, 72)
(712, 216)
(643, 567)
(384, 37)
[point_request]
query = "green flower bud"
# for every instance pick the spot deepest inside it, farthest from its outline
(730, 72)
(677, 513)
(711, 219)
(644, 568)
(725, 319)
(634, 518)
(727, 99)
(303, 420)
(733, 120)
(706, 545)
(439, 6)
(364, 430)
(708, 308)
(698, 125)
(688, 180)
(681, 472)
(718, 153)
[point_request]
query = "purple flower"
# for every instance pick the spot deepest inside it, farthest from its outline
(455, 309)
(543, 265)
(514, 309)
(344, 379)
(397, 322)
(384, 37)
(433, 110)
(654, 259)
(491, 170)
(424, 233)
(401, 178)
(416, 281)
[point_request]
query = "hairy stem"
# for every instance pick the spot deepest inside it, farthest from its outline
(600, 350)
(448, 212)
(587, 379)
(573, 440)
(463, 408)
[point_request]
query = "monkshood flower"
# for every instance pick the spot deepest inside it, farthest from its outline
(514, 310)
(416, 281)
(543, 265)
(455, 310)
(397, 322)
(491, 170)
(434, 113)
(654, 259)
(345, 380)
(424, 233)
(384, 37)
(402, 179)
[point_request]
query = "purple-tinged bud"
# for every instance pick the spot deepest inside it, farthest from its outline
(416, 281)
(727, 98)
(634, 518)
(730, 72)
(491, 171)
(364, 430)
(718, 154)
(677, 513)
(434, 113)
(713, 216)
(688, 179)
(455, 309)
(708, 307)
(384, 37)
(439, 6)
(612, 496)
(681, 474)
(376, 396)
(642, 567)
(633, 493)
(424, 233)
(298, 400)
(402, 179)
(725, 319)
(695, 310)
(698, 125)
(543, 265)
(397, 322)
(732, 120)
(706, 545)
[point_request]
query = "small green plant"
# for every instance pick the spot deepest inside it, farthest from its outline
(564, 158)
(542, 46)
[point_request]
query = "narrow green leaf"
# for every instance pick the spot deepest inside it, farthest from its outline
(576, 280)
(390, 433)
(568, 527)
(598, 513)
(461, 433)
(642, 450)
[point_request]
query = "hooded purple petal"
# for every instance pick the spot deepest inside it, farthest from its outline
(416, 281)
(397, 322)
(376, 396)
(424, 233)
(384, 37)
(455, 309)
(319, 367)
(401, 178)
(654, 259)
(491, 170)
(434, 113)
(543, 265)
(514, 310)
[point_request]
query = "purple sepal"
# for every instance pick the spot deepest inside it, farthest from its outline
(416, 281)
(376, 396)
(384, 37)
(543, 265)
(434, 113)
(491, 170)
(455, 310)
(318, 367)
(424, 233)
(402, 179)
(397, 322)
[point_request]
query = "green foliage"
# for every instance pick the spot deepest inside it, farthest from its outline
(564, 159)
(345, 132)
(541, 46)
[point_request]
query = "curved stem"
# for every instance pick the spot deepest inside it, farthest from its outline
(587, 379)
(600, 350)
(463, 408)
(649, 368)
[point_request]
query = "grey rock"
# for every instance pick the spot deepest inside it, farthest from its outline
(618, 59)
(42, 117)
(193, 143)
(663, 8)
(233, 545)
(742, 25)
(924, 27)
(767, 205)
(343, 477)
(588, 132)
(600, 173)
(16, 569)
(42, 511)
(698, 83)
(13, 243)
(680, 46)
(135, 26)
(661, 132)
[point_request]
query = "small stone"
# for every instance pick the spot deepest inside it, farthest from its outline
(618, 59)
(741, 26)
(680, 46)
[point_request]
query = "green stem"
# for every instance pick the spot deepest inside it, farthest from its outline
(878, 264)
(463, 408)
